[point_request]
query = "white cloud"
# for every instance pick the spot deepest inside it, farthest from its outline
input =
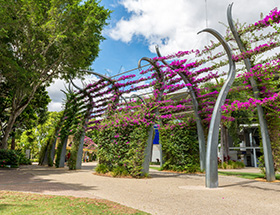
(173, 25)
(56, 94)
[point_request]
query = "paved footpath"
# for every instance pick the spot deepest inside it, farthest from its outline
(163, 193)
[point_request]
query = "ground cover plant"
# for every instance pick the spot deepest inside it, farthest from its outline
(26, 203)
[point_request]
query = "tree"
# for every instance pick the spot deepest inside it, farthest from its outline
(43, 130)
(34, 137)
(41, 40)
(36, 113)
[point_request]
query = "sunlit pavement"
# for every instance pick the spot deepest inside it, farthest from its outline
(163, 193)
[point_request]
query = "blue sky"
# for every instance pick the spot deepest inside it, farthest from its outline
(136, 26)
(115, 55)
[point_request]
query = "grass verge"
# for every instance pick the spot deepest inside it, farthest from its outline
(155, 167)
(246, 175)
(26, 203)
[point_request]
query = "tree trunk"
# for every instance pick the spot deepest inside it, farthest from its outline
(9, 128)
(17, 109)
(13, 143)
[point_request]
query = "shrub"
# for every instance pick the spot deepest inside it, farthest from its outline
(119, 171)
(231, 165)
(180, 147)
(121, 140)
(102, 168)
(8, 158)
(22, 159)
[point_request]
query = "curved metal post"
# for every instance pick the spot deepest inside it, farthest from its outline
(149, 148)
(138, 96)
(213, 134)
(199, 127)
(81, 141)
(64, 144)
(110, 80)
(53, 147)
(160, 76)
(268, 158)
(63, 153)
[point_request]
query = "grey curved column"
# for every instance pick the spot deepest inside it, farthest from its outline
(268, 158)
(149, 148)
(64, 144)
(211, 179)
(199, 127)
(137, 96)
(79, 159)
(108, 79)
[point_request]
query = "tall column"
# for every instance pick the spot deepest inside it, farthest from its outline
(148, 152)
(63, 153)
(268, 158)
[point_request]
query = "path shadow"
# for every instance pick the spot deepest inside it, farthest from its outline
(46, 170)
(27, 181)
(248, 184)
(163, 174)
(237, 184)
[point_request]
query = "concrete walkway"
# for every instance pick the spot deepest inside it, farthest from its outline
(163, 193)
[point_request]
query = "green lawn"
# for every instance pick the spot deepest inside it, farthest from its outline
(155, 167)
(12, 203)
(238, 174)
(246, 175)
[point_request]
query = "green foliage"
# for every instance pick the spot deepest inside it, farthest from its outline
(180, 147)
(42, 40)
(22, 159)
(28, 140)
(102, 168)
(122, 139)
(58, 151)
(8, 158)
(68, 121)
(75, 147)
(119, 171)
(231, 165)
(273, 123)
(46, 148)
(46, 133)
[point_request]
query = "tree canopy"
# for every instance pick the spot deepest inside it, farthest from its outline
(42, 40)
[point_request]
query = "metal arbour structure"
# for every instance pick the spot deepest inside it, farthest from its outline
(200, 132)
(213, 134)
(83, 114)
(94, 99)
(87, 116)
(269, 166)
(159, 90)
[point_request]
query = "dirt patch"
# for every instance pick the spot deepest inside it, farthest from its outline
(264, 180)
